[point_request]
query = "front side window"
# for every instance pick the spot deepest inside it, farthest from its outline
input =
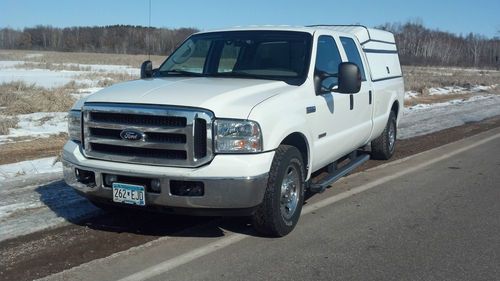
(327, 60)
(276, 55)
(352, 53)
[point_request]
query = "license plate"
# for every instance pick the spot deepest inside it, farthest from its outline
(128, 194)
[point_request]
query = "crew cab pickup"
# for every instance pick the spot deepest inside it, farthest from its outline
(236, 122)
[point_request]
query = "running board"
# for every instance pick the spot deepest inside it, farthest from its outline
(337, 174)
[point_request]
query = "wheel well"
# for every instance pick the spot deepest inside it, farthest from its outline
(395, 108)
(299, 141)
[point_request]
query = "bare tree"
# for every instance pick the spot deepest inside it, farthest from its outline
(112, 39)
(417, 44)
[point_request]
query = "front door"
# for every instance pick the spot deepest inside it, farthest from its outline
(333, 117)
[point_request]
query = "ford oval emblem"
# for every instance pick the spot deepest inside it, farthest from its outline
(132, 135)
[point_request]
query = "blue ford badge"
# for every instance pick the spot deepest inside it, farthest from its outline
(132, 135)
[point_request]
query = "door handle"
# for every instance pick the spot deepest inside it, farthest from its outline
(370, 97)
(351, 98)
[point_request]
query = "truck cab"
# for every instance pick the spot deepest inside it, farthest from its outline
(236, 121)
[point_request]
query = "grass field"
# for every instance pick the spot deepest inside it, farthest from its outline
(44, 57)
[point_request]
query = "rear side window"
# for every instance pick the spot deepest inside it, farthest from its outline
(352, 53)
(328, 59)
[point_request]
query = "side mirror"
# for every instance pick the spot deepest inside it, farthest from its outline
(349, 78)
(147, 69)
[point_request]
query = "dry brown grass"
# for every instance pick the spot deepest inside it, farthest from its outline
(21, 98)
(107, 79)
(420, 79)
(53, 66)
(78, 58)
(32, 149)
(430, 99)
(6, 123)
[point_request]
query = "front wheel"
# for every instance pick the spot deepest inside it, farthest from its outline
(383, 147)
(279, 212)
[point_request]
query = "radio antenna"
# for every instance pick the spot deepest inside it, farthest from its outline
(148, 34)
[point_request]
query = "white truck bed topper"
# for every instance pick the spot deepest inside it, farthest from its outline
(379, 47)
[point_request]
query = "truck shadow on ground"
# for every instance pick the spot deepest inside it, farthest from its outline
(64, 202)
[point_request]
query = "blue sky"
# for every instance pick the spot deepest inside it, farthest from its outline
(459, 16)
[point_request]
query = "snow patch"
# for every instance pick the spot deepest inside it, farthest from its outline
(425, 119)
(40, 77)
(38, 124)
(105, 68)
(446, 90)
(32, 56)
(450, 102)
(84, 92)
(411, 95)
(30, 167)
(10, 63)
(47, 78)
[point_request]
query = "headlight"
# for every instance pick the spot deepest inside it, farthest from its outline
(237, 136)
(75, 125)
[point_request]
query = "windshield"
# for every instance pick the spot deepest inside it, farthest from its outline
(277, 55)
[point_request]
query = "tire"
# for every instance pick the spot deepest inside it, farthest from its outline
(280, 209)
(383, 147)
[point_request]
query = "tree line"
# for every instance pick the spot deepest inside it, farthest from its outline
(121, 39)
(417, 44)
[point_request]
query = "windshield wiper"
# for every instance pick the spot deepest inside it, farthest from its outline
(181, 72)
(241, 75)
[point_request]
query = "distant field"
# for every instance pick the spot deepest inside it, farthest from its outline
(77, 58)
(37, 88)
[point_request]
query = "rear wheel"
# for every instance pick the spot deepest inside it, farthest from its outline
(383, 147)
(280, 210)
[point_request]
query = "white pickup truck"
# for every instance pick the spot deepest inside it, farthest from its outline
(236, 121)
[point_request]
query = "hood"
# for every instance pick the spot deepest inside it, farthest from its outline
(226, 97)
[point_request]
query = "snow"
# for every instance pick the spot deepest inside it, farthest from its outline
(31, 56)
(459, 90)
(425, 119)
(451, 90)
(107, 68)
(30, 167)
(411, 95)
(9, 64)
(446, 90)
(39, 125)
(450, 102)
(37, 207)
(40, 77)
(47, 78)
(86, 92)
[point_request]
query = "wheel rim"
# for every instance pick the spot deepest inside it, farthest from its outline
(290, 188)
(392, 136)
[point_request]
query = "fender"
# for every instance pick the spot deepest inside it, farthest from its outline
(275, 128)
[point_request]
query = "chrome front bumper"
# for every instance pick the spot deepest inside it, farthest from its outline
(221, 190)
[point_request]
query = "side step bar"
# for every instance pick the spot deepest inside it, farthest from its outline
(335, 174)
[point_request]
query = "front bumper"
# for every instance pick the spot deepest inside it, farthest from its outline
(230, 181)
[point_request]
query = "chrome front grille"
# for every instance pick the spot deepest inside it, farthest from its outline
(171, 136)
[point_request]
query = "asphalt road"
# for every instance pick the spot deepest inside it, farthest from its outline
(433, 216)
